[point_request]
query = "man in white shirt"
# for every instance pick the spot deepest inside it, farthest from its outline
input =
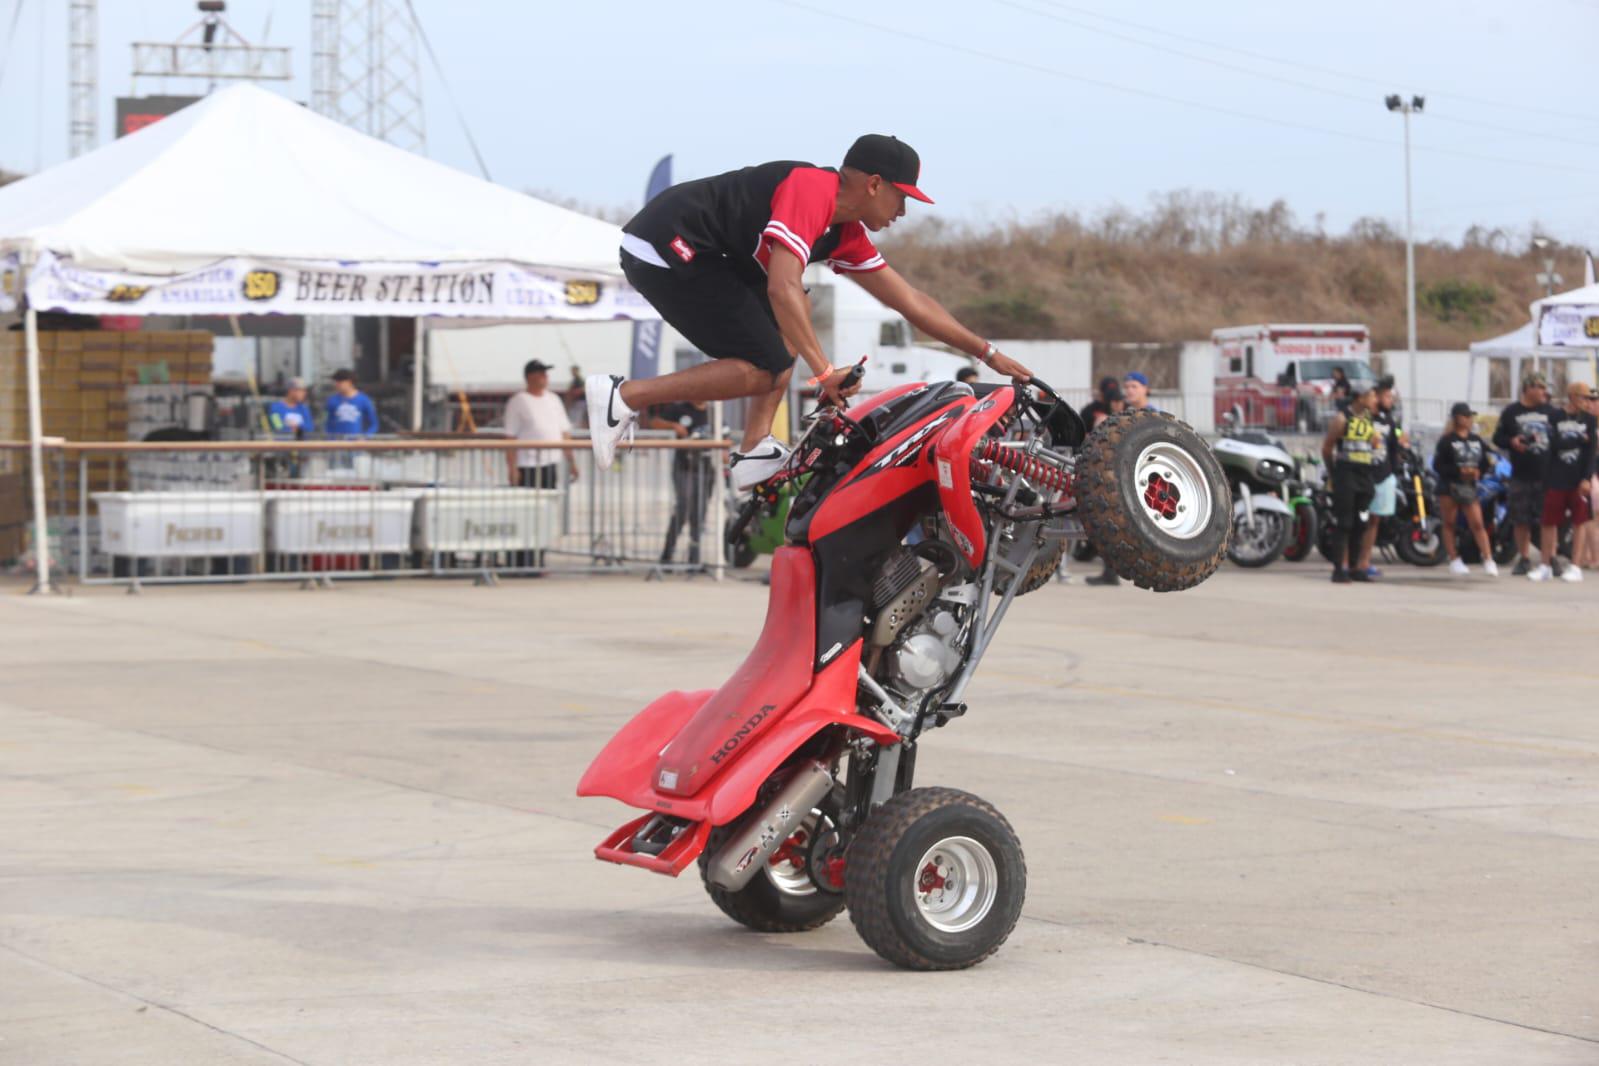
(537, 414)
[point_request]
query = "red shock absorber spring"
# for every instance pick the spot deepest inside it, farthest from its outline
(1034, 469)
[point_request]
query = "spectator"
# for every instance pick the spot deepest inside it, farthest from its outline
(693, 475)
(290, 417)
(1135, 387)
(1340, 387)
(966, 375)
(536, 413)
(1131, 395)
(1350, 450)
(1385, 493)
(351, 412)
(1566, 482)
(574, 397)
(1461, 461)
(1523, 434)
(1585, 541)
(1107, 401)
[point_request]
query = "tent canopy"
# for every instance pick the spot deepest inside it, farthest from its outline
(246, 172)
(1519, 341)
(246, 203)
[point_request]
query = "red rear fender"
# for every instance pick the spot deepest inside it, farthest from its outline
(625, 767)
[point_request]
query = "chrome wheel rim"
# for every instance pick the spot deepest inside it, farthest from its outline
(1253, 543)
(1172, 490)
(787, 869)
(956, 883)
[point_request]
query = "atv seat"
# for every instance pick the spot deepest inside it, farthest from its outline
(771, 680)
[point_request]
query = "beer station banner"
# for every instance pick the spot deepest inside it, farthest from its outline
(243, 286)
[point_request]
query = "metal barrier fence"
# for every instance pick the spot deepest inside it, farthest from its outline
(204, 511)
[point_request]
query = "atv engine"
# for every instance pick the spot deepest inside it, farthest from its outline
(919, 632)
(925, 656)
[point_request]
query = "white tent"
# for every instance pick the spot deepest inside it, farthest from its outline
(247, 203)
(1520, 346)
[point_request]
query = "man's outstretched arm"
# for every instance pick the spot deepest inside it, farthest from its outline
(929, 316)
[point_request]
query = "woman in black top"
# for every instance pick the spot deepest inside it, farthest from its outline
(1461, 461)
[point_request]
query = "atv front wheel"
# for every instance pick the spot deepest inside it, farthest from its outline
(1153, 499)
(782, 898)
(935, 880)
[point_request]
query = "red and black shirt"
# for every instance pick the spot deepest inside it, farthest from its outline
(744, 214)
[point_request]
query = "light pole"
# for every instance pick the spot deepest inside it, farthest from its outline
(1416, 103)
(1548, 278)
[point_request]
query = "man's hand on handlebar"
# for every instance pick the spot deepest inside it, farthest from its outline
(842, 384)
(1004, 364)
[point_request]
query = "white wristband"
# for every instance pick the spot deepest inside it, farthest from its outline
(989, 351)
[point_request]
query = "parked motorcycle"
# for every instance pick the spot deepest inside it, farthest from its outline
(1413, 532)
(792, 784)
(1301, 490)
(1258, 471)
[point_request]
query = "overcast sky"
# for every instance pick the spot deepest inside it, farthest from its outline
(1017, 106)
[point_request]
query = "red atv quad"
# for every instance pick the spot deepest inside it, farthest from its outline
(927, 510)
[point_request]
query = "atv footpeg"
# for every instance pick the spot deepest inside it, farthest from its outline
(655, 842)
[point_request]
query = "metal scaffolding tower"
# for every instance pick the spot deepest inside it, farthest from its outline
(82, 76)
(366, 69)
(213, 50)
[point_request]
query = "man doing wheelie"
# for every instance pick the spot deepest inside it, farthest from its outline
(722, 260)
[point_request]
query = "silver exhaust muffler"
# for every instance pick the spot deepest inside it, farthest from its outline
(746, 851)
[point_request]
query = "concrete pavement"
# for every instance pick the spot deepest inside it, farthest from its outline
(1267, 821)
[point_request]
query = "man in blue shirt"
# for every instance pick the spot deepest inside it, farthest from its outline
(351, 412)
(290, 417)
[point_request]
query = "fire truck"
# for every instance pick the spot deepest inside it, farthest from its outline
(1282, 375)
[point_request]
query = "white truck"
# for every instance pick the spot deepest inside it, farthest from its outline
(1280, 375)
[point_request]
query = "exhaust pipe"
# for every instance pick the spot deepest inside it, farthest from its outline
(746, 851)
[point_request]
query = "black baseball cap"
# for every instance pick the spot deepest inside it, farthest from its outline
(1461, 409)
(535, 366)
(890, 159)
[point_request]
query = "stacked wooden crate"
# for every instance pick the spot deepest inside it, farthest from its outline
(83, 381)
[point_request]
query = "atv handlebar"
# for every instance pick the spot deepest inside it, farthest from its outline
(853, 378)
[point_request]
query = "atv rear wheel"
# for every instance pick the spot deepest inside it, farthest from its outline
(935, 880)
(1153, 499)
(782, 898)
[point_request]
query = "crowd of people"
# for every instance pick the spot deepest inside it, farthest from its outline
(348, 412)
(1553, 472)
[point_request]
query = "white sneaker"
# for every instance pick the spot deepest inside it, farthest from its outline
(610, 419)
(1540, 573)
(1490, 568)
(1573, 572)
(759, 463)
(1458, 567)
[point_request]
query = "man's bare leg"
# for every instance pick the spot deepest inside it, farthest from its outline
(762, 410)
(1368, 541)
(1523, 535)
(716, 379)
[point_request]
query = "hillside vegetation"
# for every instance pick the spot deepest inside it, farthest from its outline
(1197, 261)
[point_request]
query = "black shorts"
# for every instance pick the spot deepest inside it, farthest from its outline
(1352, 493)
(719, 312)
(1525, 504)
